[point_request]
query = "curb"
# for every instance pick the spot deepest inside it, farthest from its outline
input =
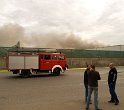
(3, 71)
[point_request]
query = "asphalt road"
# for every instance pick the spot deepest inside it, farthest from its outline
(64, 92)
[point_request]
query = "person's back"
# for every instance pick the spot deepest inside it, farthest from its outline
(93, 77)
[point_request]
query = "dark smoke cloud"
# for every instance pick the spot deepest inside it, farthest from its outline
(66, 40)
(12, 33)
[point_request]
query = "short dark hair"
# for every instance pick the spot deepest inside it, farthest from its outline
(93, 66)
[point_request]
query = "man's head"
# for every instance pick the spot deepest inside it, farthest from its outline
(111, 65)
(92, 67)
(88, 66)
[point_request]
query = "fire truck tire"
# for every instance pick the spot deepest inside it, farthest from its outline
(15, 71)
(25, 73)
(56, 72)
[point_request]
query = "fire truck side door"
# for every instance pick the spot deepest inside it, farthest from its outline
(46, 63)
(55, 60)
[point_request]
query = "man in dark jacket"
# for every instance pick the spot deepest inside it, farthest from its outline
(93, 77)
(112, 77)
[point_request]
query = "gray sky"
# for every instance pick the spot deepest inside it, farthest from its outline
(100, 21)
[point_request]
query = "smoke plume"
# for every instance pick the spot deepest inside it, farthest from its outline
(10, 34)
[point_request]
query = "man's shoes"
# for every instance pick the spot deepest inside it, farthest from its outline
(111, 101)
(117, 102)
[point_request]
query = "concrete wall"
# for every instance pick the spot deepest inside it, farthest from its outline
(2, 62)
(81, 62)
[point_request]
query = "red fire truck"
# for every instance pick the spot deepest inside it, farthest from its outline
(26, 64)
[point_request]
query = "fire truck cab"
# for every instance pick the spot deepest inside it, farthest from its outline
(28, 64)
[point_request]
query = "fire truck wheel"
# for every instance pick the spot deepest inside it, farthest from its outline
(56, 72)
(25, 74)
(15, 71)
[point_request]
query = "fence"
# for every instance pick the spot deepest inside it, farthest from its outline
(80, 58)
(78, 53)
